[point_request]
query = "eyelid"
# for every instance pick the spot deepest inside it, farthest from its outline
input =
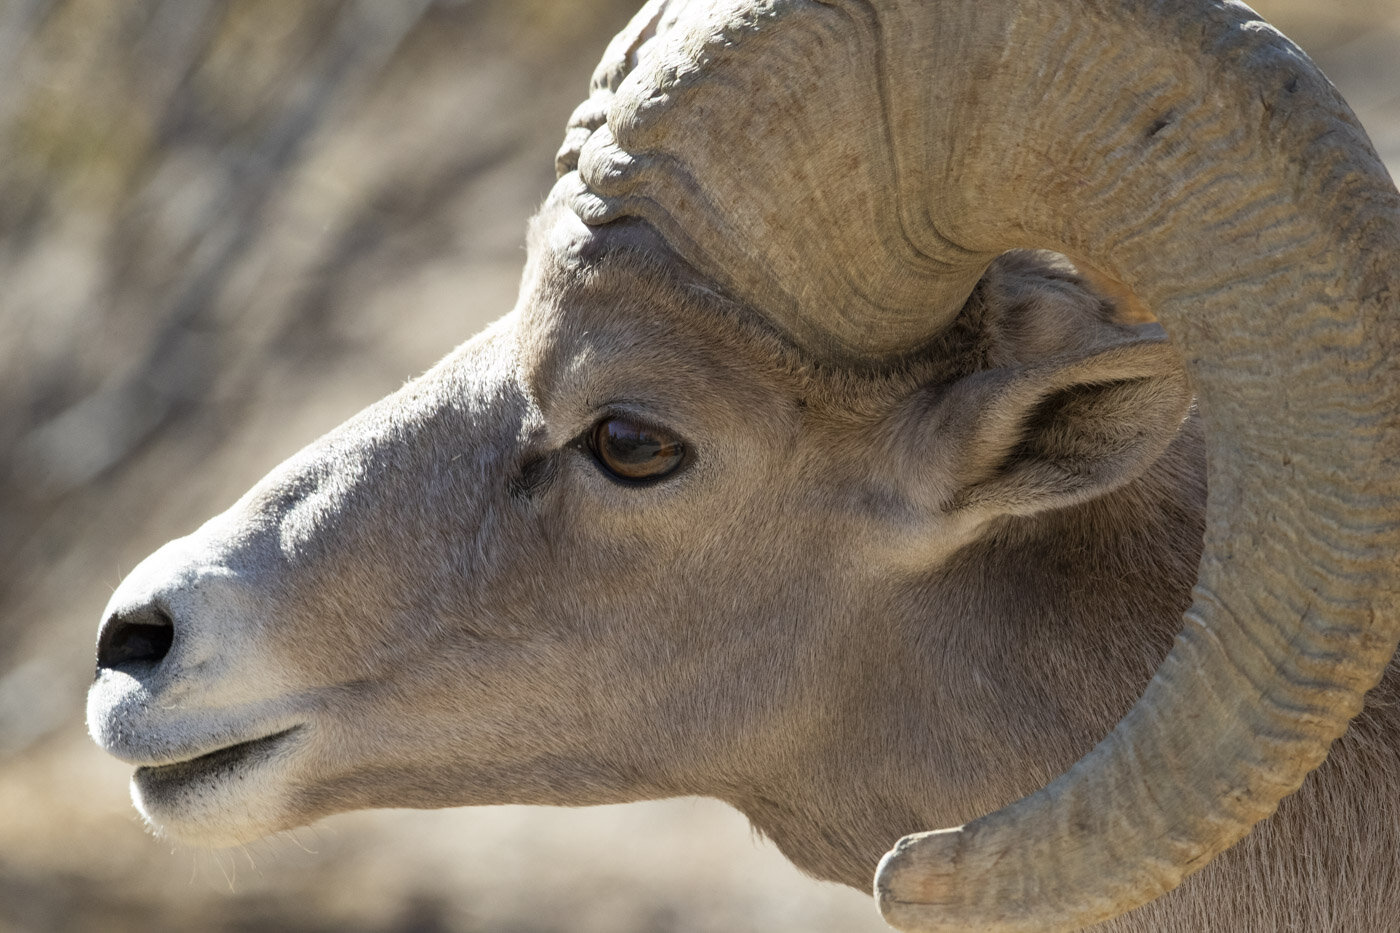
(643, 415)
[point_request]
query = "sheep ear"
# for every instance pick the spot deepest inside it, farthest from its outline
(1025, 439)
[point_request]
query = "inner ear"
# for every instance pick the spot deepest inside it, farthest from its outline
(1025, 439)
(1078, 443)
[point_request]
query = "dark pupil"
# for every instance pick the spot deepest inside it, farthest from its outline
(633, 451)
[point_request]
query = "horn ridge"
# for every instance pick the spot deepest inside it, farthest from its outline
(848, 169)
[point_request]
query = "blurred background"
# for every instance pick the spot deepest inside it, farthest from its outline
(226, 225)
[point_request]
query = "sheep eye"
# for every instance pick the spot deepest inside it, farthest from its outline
(631, 450)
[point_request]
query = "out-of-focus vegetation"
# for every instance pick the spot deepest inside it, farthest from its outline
(225, 225)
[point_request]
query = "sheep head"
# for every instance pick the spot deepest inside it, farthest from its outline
(754, 398)
(613, 548)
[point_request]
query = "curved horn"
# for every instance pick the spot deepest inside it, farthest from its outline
(850, 167)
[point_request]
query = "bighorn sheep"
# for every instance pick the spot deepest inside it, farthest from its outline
(779, 486)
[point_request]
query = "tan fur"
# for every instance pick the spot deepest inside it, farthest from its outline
(940, 511)
(460, 609)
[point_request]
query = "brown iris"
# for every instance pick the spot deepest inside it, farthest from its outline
(631, 450)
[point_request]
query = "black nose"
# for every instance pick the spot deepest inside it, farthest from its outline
(140, 636)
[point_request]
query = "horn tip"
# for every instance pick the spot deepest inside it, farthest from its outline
(916, 882)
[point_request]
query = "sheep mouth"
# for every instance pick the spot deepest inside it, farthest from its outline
(220, 762)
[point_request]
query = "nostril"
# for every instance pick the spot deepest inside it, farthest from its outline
(141, 636)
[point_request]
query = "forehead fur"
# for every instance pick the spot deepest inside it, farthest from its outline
(623, 289)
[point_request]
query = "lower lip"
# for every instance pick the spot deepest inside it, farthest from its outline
(225, 760)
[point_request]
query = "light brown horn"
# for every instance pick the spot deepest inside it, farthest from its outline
(849, 168)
